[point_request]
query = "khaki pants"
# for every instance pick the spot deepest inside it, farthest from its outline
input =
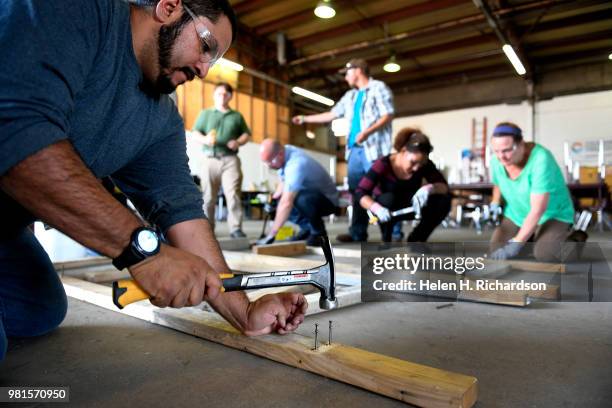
(223, 172)
(548, 242)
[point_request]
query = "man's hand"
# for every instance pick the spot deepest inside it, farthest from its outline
(233, 145)
(280, 313)
(176, 278)
(510, 250)
(361, 137)
(209, 139)
(298, 120)
(265, 240)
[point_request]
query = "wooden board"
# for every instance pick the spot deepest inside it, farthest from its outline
(533, 266)
(340, 252)
(243, 262)
(234, 244)
(81, 263)
(281, 248)
(402, 380)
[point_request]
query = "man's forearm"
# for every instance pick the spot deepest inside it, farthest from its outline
(55, 185)
(324, 117)
(243, 139)
(496, 196)
(366, 201)
(282, 213)
(196, 236)
(529, 226)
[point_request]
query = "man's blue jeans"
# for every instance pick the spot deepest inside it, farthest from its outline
(32, 298)
(358, 166)
(308, 209)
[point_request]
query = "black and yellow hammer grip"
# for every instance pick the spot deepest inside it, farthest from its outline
(127, 291)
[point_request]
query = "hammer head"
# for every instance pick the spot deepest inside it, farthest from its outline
(326, 278)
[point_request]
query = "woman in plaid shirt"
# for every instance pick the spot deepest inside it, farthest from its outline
(403, 179)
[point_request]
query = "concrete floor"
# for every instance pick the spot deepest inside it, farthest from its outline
(547, 355)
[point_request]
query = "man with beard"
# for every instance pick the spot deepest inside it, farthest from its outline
(82, 97)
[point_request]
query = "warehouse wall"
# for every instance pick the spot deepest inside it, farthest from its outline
(574, 118)
(567, 118)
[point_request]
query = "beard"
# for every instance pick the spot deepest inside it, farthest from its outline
(165, 45)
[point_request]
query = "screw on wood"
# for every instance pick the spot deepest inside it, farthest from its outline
(316, 333)
(330, 333)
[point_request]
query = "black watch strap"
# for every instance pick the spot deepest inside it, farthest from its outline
(133, 254)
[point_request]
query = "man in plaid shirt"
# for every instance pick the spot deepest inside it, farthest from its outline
(368, 108)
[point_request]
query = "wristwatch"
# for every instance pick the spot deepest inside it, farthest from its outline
(144, 243)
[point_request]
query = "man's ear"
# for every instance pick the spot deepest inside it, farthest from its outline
(168, 11)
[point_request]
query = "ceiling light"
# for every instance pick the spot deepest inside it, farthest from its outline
(391, 65)
(514, 59)
(311, 95)
(610, 57)
(230, 64)
(324, 9)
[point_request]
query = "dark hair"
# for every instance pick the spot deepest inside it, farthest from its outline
(211, 9)
(413, 140)
(226, 86)
(508, 129)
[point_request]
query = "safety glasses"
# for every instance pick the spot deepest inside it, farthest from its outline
(209, 52)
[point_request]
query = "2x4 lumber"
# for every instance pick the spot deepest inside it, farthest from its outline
(234, 244)
(340, 252)
(533, 266)
(402, 380)
(281, 248)
(245, 262)
(81, 263)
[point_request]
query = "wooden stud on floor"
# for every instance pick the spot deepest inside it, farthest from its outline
(399, 379)
(281, 248)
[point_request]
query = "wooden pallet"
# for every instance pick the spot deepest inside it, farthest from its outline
(402, 380)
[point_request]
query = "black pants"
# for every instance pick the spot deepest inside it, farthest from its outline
(308, 209)
(437, 208)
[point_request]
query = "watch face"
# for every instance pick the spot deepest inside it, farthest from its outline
(147, 240)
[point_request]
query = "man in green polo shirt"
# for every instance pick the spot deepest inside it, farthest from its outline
(538, 206)
(222, 131)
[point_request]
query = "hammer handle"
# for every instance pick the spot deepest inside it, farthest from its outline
(127, 291)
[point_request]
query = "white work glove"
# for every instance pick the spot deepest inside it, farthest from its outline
(265, 240)
(419, 199)
(495, 212)
(382, 213)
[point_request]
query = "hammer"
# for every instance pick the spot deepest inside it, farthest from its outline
(322, 277)
(407, 210)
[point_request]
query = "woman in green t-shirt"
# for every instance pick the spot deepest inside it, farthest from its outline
(537, 206)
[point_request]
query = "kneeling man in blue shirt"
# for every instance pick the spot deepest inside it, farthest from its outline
(306, 191)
